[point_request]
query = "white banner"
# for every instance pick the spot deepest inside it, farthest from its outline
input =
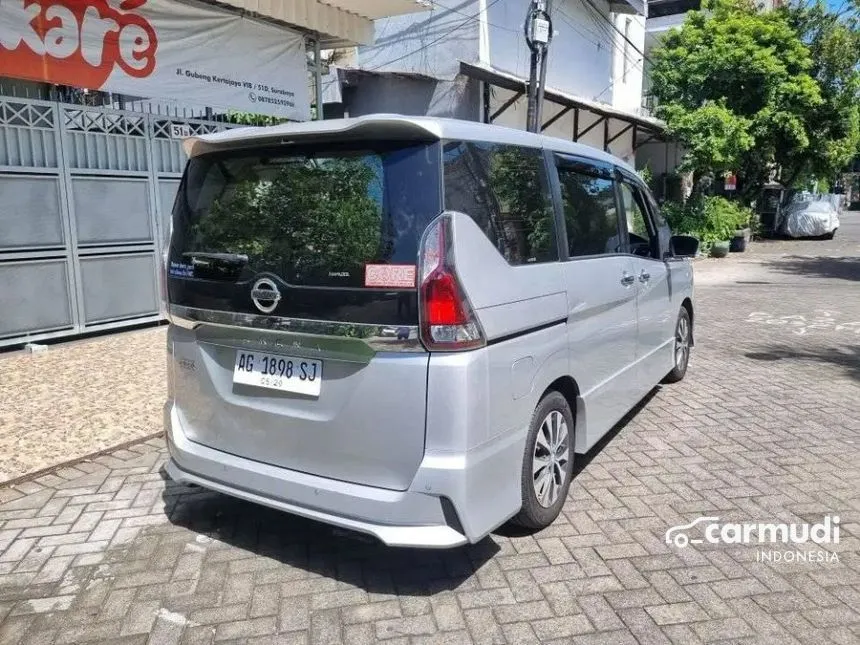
(157, 49)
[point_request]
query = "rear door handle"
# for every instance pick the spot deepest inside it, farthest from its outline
(627, 279)
(644, 276)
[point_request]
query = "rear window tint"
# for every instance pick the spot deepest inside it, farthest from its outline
(504, 189)
(312, 217)
(590, 213)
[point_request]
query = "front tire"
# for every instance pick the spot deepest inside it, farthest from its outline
(683, 338)
(547, 463)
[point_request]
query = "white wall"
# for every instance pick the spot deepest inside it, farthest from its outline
(585, 57)
(580, 59)
(431, 42)
(627, 83)
(660, 157)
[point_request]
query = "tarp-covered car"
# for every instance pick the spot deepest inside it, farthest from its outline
(810, 219)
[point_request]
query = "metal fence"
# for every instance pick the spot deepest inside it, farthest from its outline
(85, 197)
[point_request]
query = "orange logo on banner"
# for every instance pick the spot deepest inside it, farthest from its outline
(75, 42)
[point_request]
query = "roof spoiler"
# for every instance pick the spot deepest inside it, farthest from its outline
(388, 128)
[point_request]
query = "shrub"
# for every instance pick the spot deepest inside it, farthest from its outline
(710, 219)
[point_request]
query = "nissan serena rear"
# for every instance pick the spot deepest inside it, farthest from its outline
(365, 332)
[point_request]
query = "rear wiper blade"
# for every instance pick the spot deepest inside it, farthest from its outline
(206, 259)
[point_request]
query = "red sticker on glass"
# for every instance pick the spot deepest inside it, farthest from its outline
(390, 276)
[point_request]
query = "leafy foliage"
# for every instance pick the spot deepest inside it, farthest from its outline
(249, 118)
(834, 125)
(710, 219)
(749, 91)
(646, 174)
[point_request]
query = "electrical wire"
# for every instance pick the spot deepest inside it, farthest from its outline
(590, 36)
(596, 11)
(463, 13)
(606, 34)
(636, 64)
(457, 27)
(566, 18)
(436, 40)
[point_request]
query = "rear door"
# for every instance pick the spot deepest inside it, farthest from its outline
(656, 312)
(291, 276)
(601, 292)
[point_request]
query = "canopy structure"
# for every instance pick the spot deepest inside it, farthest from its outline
(338, 23)
(641, 129)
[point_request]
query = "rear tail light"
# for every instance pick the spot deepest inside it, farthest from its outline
(448, 322)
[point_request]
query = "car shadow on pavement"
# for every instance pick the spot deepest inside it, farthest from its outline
(842, 268)
(303, 545)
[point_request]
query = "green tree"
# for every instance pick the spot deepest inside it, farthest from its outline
(736, 87)
(833, 126)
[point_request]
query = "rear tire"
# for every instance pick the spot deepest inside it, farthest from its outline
(683, 338)
(831, 234)
(547, 462)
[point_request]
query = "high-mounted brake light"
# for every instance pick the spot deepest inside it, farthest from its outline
(448, 322)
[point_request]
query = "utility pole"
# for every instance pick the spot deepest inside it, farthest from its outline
(538, 33)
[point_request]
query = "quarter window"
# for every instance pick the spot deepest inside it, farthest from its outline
(638, 226)
(504, 189)
(590, 214)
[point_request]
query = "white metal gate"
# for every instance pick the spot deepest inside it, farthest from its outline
(85, 199)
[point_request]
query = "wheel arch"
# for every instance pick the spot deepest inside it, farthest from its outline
(688, 305)
(569, 389)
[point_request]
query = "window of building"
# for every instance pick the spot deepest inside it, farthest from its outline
(504, 189)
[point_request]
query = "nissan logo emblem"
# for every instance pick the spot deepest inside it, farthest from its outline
(265, 295)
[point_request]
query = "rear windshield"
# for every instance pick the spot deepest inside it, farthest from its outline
(310, 216)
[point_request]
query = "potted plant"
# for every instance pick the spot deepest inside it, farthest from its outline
(738, 243)
(720, 249)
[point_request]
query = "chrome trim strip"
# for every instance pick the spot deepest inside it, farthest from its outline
(380, 338)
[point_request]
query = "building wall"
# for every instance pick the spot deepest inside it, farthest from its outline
(458, 99)
(431, 43)
(580, 59)
(585, 60)
(628, 63)
(660, 157)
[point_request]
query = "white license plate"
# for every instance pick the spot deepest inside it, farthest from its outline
(285, 373)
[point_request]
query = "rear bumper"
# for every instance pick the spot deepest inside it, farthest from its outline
(432, 513)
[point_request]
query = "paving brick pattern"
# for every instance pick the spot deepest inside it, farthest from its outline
(766, 427)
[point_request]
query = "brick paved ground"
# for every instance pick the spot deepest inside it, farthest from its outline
(766, 427)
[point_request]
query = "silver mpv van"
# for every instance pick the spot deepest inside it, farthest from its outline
(408, 326)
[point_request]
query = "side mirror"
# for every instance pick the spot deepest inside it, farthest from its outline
(684, 246)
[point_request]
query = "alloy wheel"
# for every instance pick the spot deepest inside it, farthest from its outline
(550, 461)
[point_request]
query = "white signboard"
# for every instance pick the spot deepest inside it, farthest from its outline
(157, 49)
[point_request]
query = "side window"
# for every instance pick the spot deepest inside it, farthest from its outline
(504, 189)
(640, 231)
(590, 214)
